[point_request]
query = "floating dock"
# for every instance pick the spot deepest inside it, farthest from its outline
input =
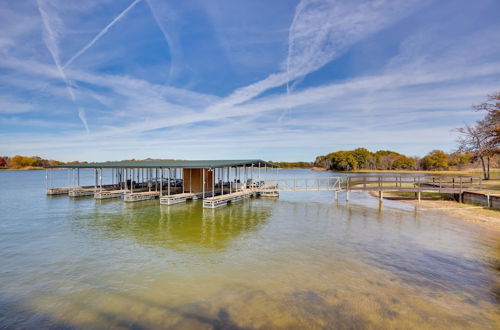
(60, 190)
(177, 198)
(82, 192)
(107, 194)
(141, 196)
(222, 200)
(172, 182)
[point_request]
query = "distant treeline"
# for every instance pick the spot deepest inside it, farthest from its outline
(293, 164)
(363, 159)
(18, 162)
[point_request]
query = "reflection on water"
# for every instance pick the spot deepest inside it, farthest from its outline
(181, 227)
(300, 261)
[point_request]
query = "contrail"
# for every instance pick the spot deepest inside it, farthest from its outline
(166, 36)
(100, 34)
(50, 40)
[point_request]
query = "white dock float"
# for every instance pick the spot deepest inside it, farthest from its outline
(176, 198)
(269, 193)
(222, 200)
(110, 194)
(81, 192)
(61, 190)
(141, 196)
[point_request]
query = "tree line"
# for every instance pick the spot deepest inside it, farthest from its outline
(363, 159)
(18, 162)
(477, 144)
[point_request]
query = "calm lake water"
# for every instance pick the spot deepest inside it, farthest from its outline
(302, 261)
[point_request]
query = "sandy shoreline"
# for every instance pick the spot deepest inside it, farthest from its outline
(468, 212)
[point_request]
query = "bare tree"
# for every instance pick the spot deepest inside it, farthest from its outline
(491, 122)
(483, 139)
(475, 140)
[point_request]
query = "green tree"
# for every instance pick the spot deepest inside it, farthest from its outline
(435, 160)
(362, 156)
(402, 162)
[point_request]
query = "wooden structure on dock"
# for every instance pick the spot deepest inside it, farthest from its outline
(172, 181)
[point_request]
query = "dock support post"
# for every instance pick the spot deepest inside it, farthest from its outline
(336, 195)
(380, 195)
(161, 182)
(347, 189)
(203, 183)
(213, 182)
(419, 196)
(488, 201)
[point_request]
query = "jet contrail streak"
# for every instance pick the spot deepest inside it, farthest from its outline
(51, 42)
(100, 34)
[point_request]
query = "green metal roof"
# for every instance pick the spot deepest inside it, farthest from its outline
(170, 164)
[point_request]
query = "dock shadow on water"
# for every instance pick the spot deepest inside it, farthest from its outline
(296, 262)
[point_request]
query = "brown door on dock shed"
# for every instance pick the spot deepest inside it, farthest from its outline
(193, 177)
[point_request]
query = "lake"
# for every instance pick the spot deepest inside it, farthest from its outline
(300, 261)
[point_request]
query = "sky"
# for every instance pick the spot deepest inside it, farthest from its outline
(282, 80)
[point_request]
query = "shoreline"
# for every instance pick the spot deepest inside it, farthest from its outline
(23, 169)
(472, 213)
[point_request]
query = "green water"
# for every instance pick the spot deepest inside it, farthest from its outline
(302, 261)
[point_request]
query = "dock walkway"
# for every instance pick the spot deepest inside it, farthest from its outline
(178, 198)
(222, 200)
(105, 194)
(141, 196)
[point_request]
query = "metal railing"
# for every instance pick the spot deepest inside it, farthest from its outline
(301, 184)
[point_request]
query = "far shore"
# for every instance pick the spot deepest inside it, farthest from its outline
(29, 168)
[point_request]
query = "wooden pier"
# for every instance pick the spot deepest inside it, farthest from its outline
(452, 185)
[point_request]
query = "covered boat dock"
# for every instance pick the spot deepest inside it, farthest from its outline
(217, 182)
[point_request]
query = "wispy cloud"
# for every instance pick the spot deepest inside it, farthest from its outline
(101, 33)
(52, 27)
(320, 31)
(419, 88)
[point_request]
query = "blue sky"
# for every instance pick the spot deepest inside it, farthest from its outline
(280, 80)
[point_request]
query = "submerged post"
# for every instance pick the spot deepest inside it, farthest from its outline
(347, 189)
